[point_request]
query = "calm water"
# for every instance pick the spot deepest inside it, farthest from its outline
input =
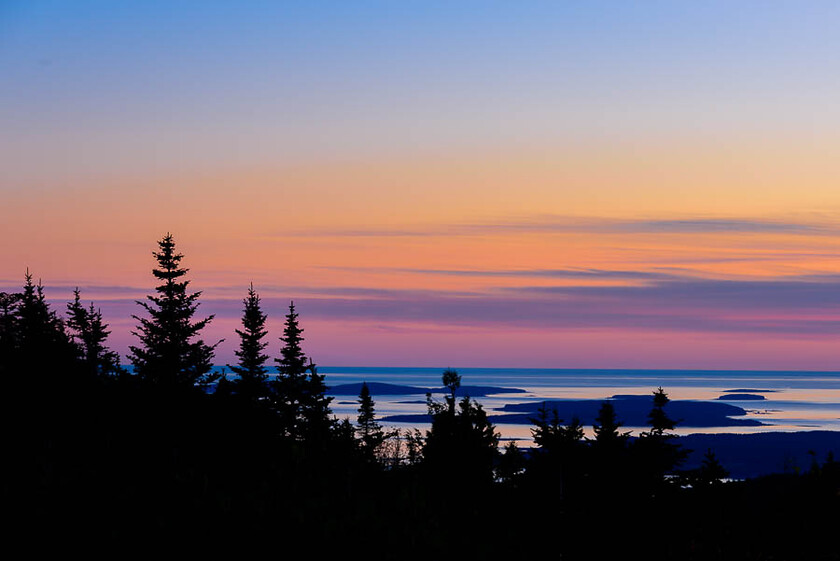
(799, 400)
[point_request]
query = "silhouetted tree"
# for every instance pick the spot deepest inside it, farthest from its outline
(606, 427)
(90, 333)
(414, 444)
(560, 459)
(711, 471)
(8, 329)
(609, 450)
(370, 432)
(462, 443)
(299, 391)
(573, 432)
(41, 342)
(547, 431)
(511, 464)
(392, 449)
(251, 369)
(655, 450)
(169, 354)
(658, 419)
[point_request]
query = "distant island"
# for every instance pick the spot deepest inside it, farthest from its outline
(632, 409)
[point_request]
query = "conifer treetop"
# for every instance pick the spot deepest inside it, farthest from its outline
(251, 368)
(169, 353)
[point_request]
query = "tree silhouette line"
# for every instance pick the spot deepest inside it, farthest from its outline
(170, 448)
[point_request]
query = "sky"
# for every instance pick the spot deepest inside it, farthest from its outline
(511, 184)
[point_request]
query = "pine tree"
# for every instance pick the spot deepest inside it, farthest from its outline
(711, 471)
(299, 391)
(548, 431)
(462, 444)
(8, 330)
(609, 452)
(251, 369)
(90, 333)
(606, 427)
(37, 324)
(370, 431)
(658, 455)
(511, 464)
(42, 341)
(658, 419)
(170, 355)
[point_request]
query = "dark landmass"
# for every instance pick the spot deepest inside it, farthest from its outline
(381, 388)
(632, 410)
(754, 455)
(749, 390)
(742, 397)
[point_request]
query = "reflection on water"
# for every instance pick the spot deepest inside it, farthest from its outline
(794, 401)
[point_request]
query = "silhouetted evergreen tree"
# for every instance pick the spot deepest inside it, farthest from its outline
(573, 432)
(251, 369)
(299, 391)
(711, 471)
(548, 430)
(658, 419)
(560, 459)
(8, 330)
(370, 432)
(461, 444)
(655, 451)
(169, 354)
(414, 444)
(606, 427)
(608, 448)
(90, 333)
(41, 342)
(511, 464)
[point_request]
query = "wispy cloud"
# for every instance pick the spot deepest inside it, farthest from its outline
(543, 224)
(582, 274)
(673, 300)
(795, 307)
(713, 225)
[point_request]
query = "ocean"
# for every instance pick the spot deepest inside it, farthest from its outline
(709, 401)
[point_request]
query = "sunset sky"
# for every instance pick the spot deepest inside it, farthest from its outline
(512, 184)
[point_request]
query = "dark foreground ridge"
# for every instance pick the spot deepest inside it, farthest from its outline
(97, 457)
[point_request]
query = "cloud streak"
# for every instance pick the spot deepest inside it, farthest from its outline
(566, 224)
(803, 305)
(571, 274)
(799, 307)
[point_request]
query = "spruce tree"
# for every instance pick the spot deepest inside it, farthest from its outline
(170, 353)
(90, 333)
(658, 419)
(462, 443)
(511, 464)
(606, 428)
(370, 431)
(548, 431)
(42, 342)
(251, 369)
(609, 448)
(299, 391)
(711, 471)
(8, 330)
(656, 451)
